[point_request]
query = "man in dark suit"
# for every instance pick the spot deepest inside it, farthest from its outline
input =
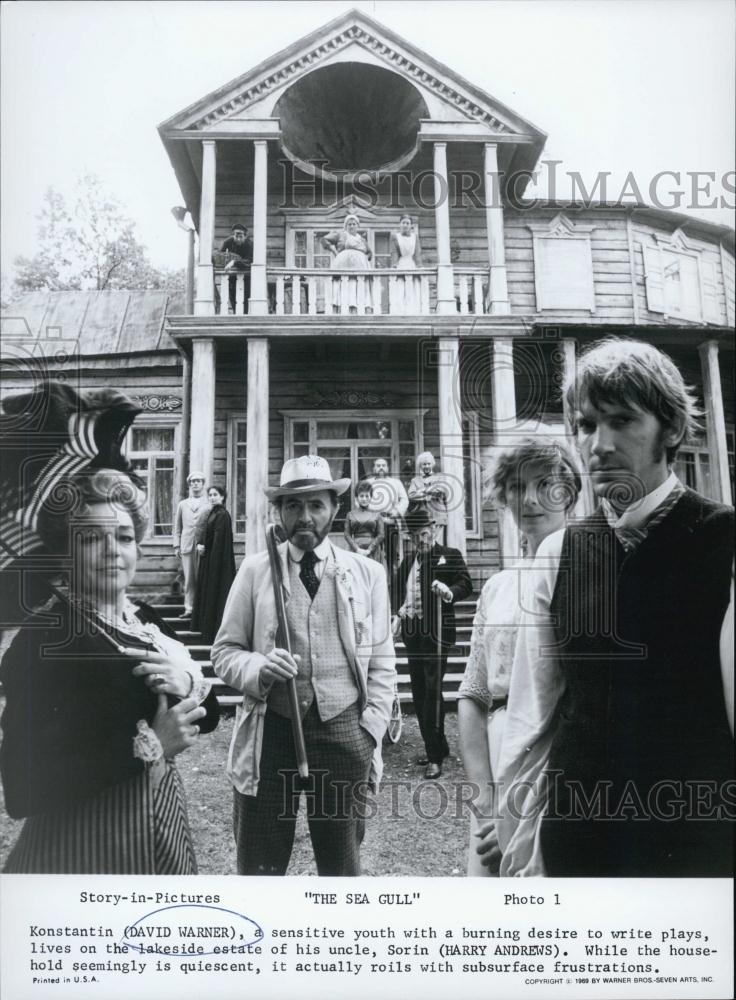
(242, 245)
(429, 582)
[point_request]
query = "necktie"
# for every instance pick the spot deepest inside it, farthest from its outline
(307, 574)
(631, 538)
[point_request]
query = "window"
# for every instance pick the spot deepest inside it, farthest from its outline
(152, 450)
(472, 475)
(351, 442)
(681, 281)
(304, 247)
(563, 265)
(236, 470)
(692, 466)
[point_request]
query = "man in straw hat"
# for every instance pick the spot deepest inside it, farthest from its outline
(343, 662)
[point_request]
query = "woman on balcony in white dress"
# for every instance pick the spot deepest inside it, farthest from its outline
(406, 255)
(350, 252)
(538, 481)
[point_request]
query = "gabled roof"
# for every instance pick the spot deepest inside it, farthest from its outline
(246, 106)
(376, 44)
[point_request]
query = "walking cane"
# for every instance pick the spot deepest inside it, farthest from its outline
(285, 642)
(438, 693)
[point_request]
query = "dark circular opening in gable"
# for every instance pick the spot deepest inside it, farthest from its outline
(351, 115)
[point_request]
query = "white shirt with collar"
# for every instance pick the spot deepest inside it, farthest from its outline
(323, 551)
(638, 513)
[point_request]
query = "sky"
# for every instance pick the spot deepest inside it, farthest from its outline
(618, 85)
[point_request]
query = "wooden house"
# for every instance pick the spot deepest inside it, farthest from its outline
(451, 357)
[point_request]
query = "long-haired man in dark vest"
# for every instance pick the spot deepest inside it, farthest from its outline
(621, 667)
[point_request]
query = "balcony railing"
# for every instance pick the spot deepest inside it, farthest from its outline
(303, 291)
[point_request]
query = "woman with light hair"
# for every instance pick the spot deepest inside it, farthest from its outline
(538, 482)
(350, 252)
(406, 255)
(430, 490)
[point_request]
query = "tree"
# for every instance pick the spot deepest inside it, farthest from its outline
(92, 245)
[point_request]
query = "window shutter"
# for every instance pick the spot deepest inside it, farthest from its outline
(709, 291)
(654, 279)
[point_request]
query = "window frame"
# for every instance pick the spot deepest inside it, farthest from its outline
(147, 421)
(472, 417)
(561, 229)
(234, 418)
(315, 416)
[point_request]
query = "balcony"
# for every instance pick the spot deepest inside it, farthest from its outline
(374, 292)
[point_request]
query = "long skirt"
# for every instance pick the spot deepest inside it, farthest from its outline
(129, 829)
(496, 723)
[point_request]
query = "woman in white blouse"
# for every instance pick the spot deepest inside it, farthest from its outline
(538, 481)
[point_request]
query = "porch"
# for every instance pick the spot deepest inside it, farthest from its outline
(377, 292)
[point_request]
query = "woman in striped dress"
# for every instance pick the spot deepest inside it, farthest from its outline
(101, 697)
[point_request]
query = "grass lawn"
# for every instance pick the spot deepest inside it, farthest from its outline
(417, 827)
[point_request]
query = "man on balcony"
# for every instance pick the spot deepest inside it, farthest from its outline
(241, 245)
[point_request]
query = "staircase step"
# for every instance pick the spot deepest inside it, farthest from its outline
(227, 697)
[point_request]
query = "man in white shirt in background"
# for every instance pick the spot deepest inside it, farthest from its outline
(185, 543)
(389, 499)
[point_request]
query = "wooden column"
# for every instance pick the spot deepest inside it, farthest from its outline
(504, 431)
(189, 277)
(715, 423)
(451, 436)
(256, 455)
(202, 433)
(186, 423)
(497, 290)
(258, 302)
(445, 278)
(586, 503)
(204, 304)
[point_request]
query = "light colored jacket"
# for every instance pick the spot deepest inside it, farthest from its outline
(248, 633)
(185, 524)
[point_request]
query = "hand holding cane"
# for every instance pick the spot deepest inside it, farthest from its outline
(284, 641)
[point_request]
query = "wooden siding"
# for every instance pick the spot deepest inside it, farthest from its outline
(618, 280)
(644, 236)
(300, 370)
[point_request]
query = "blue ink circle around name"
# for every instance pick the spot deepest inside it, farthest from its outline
(153, 937)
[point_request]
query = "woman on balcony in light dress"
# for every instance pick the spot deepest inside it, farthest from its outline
(350, 252)
(538, 482)
(406, 255)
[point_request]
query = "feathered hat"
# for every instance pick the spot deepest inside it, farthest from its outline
(48, 434)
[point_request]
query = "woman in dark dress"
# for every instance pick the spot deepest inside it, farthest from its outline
(216, 565)
(100, 698)
(364, 527)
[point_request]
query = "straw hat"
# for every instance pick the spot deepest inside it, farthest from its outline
(307, 474)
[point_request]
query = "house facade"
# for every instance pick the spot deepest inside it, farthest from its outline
(452, 356)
